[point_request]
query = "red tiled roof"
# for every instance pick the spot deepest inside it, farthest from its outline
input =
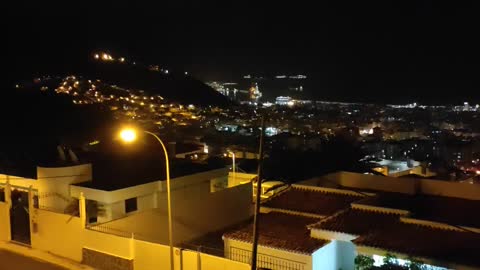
(357, 222)
(422, 241)
(311, 201)
(281, 231)
(454, 211)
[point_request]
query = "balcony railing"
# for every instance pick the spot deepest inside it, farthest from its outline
(264, 261)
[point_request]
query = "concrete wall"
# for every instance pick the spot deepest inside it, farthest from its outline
(331, 235)
(208, 262)
(109, 197)
(53, 181)
(57, 233)
(58, 179)
(101, 260)
(402, 185)
(4, 222)
(274, 254)
(107, 243)
(154, 256)
(64, 235)
(195, 212)
(16, 181)
(202, 211)
(335, 255)
(368, 181)
(147, 194)
(450, 189)
(116, 210)
(237, 178)
(151, 256)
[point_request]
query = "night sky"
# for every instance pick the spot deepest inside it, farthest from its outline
(378, 51)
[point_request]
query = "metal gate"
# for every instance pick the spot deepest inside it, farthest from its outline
(20, 216)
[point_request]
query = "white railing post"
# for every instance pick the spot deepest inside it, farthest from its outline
(132, 246)
(8, 194)
(83, 211)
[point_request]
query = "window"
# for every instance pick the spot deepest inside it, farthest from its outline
(130, 205)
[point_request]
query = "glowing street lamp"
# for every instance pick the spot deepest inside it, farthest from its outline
(129, 135)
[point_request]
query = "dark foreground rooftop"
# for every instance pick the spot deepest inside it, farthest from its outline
(281, 231)
(454, 211)
(422, 241)
(357, 222)
(308, 200)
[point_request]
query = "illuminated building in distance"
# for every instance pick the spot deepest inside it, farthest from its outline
(255, 93)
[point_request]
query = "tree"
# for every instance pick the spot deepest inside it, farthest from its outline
(363, 262)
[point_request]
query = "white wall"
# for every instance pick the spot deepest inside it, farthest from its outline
(357, 180)
(57, 233)
(402, 185)
(4, 222)
(53, 180)
(59, 179)
(204, 212)
(151, 256)
(154, 256)
(194, 214)
(276, 254)
(325, 258)
(450, 189)
(237, 178)
(16, 181)
(335, 255)
(107, 243)
(149, 195)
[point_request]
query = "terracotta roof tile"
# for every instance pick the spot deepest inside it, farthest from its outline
(311, 201)
(357, 222)
(416, 240)
(281, 231)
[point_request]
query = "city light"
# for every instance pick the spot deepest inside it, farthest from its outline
(128, 135)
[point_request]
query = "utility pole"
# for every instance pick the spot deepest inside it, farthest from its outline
(258, 196)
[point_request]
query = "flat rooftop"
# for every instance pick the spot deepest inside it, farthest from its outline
(116, 174)
(281, 231)
(309, 200)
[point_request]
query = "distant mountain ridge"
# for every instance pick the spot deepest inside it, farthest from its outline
(179, 88)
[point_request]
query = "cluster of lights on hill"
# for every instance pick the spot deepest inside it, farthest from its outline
(106, 57)
(103, 56)
(293, 77)
(128, 104)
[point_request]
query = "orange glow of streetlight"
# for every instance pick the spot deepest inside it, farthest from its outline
(128, 135)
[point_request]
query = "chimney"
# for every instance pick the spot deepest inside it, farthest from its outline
(73, 156)
(61, 153)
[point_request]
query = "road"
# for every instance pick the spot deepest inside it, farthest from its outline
(14, 261)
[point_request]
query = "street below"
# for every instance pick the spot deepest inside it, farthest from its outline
(14, 261)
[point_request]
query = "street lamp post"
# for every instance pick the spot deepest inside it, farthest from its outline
(233, 166)
(129, 135)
